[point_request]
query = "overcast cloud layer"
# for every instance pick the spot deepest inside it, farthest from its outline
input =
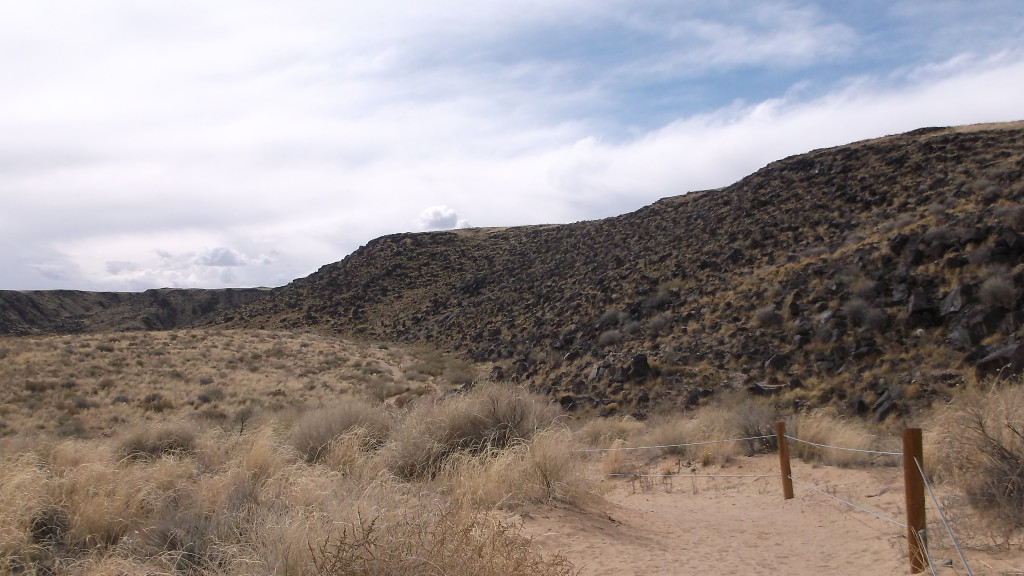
(246, 143)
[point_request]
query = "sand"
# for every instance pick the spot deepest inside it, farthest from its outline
(694, 525)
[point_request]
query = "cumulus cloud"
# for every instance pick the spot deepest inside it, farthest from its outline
(440, 218)
(221, 256)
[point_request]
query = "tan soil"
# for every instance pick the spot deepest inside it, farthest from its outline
(744, 526)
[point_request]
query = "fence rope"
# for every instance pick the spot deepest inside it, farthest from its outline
(694, 475)
(942, 517)
(675, 445)
(850, 504)
(844, 449)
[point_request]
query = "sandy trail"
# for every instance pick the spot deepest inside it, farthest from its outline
(744, 526)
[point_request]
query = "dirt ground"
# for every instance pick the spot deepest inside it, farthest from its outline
(742, 525)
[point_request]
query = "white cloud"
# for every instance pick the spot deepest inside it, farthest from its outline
(252, 142)
(221, 256)
(440, 218)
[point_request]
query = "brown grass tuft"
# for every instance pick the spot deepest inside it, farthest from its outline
(317, 429)
(978, 445)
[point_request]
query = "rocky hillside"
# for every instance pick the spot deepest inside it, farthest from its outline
(872, 277)
(68, 311)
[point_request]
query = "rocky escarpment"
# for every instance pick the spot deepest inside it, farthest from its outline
(872, 277)
(69, 311)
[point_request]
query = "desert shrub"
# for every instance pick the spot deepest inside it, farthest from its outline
(603, 432)
(1011, 215)
(380, 388)
(662, 298)
(460, 372)
(855, 309)
(767, 317)
(610, 318)
(428, 363)
(978, 444)
(659, 322)
(733, 416)
(617, 461)
(443, 540)
(609, 338)
(316, 429)
(861, 313)
(71, 427)
(828, 429)
(544, 469)
(155, 402)
(632, 327)
(150, 442)
(24, 508)
(737, 415)
(998, 290)
(212, 394)
(670, 430)
(864, 288)
(490, 416)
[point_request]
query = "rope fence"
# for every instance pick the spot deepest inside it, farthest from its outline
(686, 445)
(876, 452)
(692, 475)
(878, 515)
(942, 517)
(915, 484)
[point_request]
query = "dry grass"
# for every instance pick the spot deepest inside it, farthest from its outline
(828, 429)
(542, 470)
(978, 445)
(316, 430)
(603, 432)
(489, 417)
(425, 541)
(305, 473)
(732, 416)
(298, 474)
(94, 384)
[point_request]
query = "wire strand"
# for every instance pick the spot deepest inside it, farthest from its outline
(844, 449)
(922, 541)
(674, 445)
(693, 475)
(850, 504)
(942, 517)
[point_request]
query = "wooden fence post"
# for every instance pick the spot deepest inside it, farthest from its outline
(787, 474)
(917, 541)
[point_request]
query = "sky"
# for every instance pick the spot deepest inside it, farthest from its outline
(191, 143)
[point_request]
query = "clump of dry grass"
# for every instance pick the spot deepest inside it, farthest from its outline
(317, 429)
(603, 432)
(828, 429)
(616, 461)
(491, 416)
(732, 416)
(541, 470)
(978, 445)
(427, 541)
(149, 442)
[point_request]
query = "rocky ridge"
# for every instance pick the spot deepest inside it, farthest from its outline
(70, 311)
(872, 277)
